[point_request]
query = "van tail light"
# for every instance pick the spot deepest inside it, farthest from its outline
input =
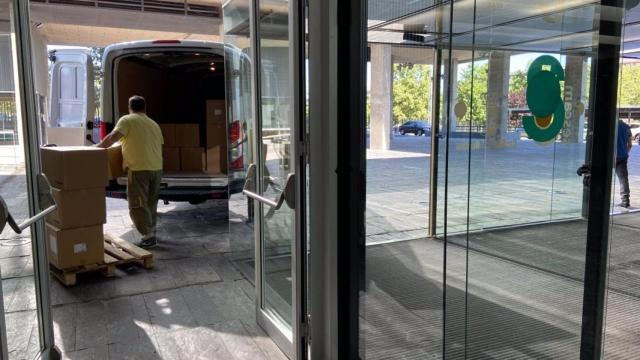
(235, 134)
(237, 163)
(235, 146)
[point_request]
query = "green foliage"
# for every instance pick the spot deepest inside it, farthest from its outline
(411, 92)
(476, 110)
(518, 81)
(629, 84)
(96, 54)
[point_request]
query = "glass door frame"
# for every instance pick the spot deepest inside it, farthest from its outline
(28, 106)
(350, 258)
(293, 342)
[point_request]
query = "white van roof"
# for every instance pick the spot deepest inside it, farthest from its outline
(163, 43)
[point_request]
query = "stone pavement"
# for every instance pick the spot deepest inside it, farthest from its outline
(498, 187)
(197, 264)
(194, 303)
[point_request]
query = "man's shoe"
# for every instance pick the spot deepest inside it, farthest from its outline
(148, 243)
(624, 204)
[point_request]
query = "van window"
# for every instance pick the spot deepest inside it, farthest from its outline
(70, 102)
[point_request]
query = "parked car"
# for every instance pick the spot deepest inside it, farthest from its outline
(418, 128)
(635, 132)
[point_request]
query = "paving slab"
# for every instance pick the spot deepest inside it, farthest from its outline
(168, 311)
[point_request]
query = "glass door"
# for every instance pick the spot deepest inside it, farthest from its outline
(26, 329)
(274, 179)
(525, 187)
(523, 126)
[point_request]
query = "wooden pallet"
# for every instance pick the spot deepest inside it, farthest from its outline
(116, 252)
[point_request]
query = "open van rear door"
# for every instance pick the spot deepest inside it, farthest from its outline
(72, 105)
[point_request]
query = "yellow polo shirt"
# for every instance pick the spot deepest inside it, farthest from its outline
(141, 142)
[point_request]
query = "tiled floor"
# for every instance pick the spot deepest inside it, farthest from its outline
(196, 298)
(193, 304)
(512, 294)
(514, 185)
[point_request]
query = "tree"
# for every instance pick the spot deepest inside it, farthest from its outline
(411, 92)
(476, 109)
(629, 84)
(517, 97)
(98, 73)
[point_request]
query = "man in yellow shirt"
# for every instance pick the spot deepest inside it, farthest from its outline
(142, 141)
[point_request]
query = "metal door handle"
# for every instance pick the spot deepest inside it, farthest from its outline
(274, 204)
(46, 200)
(287, 195)
(585, 172)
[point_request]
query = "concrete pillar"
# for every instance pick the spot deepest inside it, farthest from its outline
(453, 74)
(497, 93)
(574, 99)
(381, 97)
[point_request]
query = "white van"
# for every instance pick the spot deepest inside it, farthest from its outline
(177, 78)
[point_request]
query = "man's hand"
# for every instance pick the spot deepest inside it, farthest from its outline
(109, 140)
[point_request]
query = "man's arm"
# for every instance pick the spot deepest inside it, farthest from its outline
(629, 141)
(110, 139)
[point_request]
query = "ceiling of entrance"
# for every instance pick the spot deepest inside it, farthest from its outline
(522, 26)
(113, 21)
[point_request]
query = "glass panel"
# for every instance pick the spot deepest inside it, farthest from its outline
(623, 292)
(70, 112)
(525, 236)
(241, 132)
(276, 158)
(68, 76)
(16, 260)
(510, 208)
(401, 301)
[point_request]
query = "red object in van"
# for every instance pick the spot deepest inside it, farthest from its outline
(103, 130)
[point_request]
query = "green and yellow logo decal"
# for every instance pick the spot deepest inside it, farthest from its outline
(544, 99)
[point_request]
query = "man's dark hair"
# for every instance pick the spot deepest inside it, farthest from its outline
(137, 103)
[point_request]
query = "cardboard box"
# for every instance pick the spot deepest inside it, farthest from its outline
(192, 159)
(75, 247)
(216, 111)
(187, 135)
(216, 135)
(114, 160)
(78, 208)
(170, 158)
(168, 134)
(75, 167)
(217, 160)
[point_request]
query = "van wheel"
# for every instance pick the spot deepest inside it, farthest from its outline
(401, 132)
(637, 139)
(420, 132)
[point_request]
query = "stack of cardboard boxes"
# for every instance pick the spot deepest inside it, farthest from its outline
(182, 150)
(216, 138)
(78, 176)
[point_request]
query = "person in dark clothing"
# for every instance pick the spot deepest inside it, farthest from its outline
(624, 143)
